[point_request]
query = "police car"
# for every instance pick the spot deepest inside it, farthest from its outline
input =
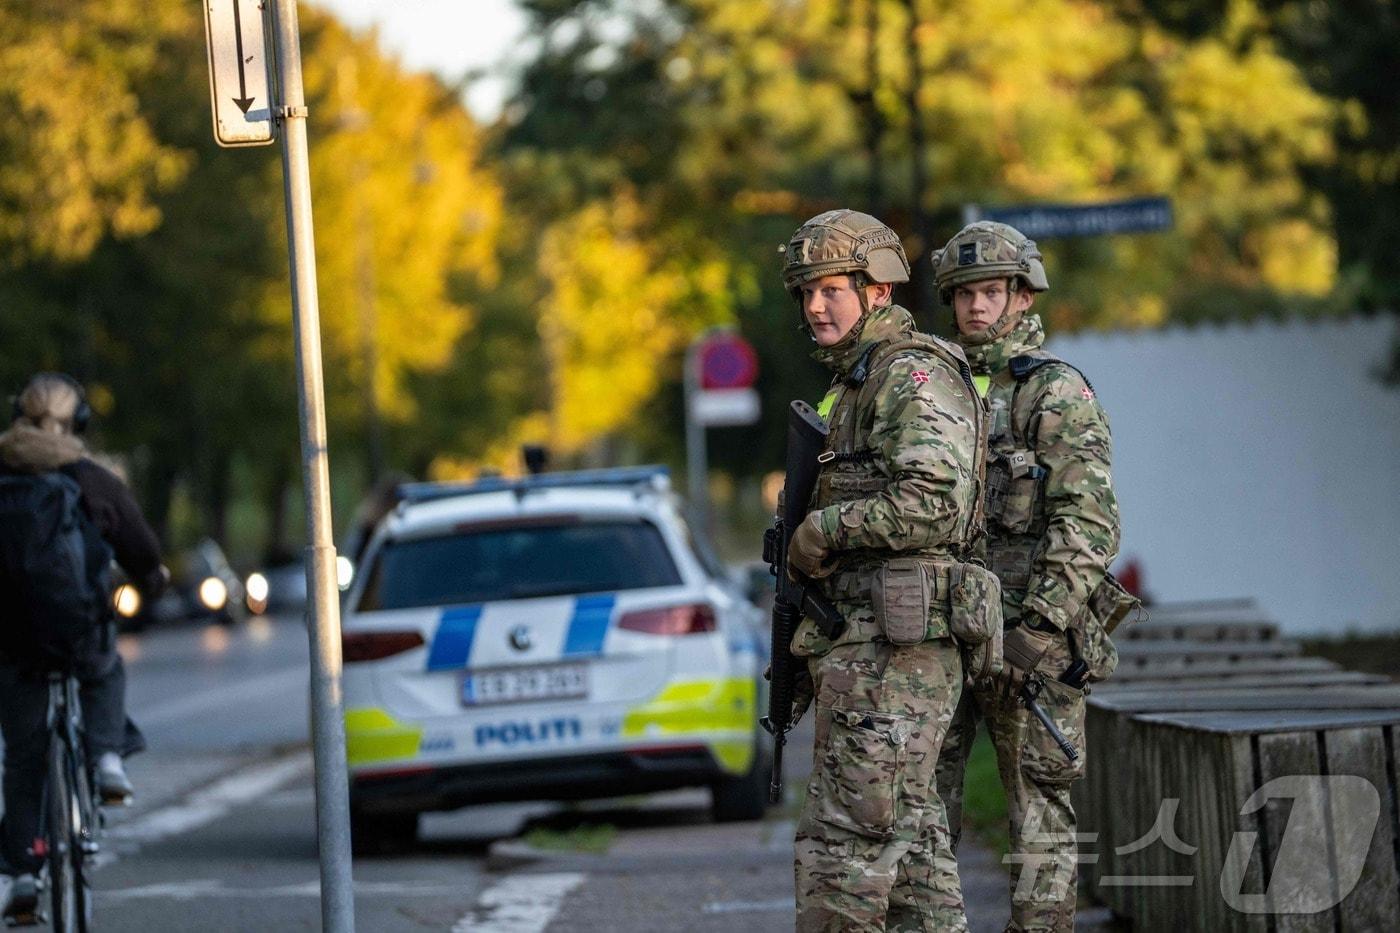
(556, 637)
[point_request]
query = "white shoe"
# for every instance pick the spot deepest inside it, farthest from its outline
(21, 899)
(113, 786)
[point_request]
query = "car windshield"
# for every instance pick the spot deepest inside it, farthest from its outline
(517, 562)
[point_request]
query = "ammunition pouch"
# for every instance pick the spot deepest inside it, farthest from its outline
(1016, 492)
(916, 599)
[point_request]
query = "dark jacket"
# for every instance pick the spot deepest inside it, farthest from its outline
(107, 501)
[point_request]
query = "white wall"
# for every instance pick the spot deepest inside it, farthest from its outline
(1258, 460)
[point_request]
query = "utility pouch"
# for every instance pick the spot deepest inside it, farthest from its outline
(974, 617)
(1014, 489)
(984, 660)
(974, 603)
(902, 594)
(1110, 604)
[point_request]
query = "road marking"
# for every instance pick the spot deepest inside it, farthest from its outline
(204, 806)
(210, 887)
(227, 697)
(519, 904)
(749, 907)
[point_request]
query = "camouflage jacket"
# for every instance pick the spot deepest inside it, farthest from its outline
(1052, 517)
(900, 468)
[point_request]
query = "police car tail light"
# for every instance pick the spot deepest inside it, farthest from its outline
(672, 620)
(372, 646)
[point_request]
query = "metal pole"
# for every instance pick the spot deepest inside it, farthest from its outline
(323, 604)
(696, 467)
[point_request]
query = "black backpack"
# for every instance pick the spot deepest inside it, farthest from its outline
(54, 576)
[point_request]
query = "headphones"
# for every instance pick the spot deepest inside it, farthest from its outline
(82, 414)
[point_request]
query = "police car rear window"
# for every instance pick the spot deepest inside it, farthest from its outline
(493, 563)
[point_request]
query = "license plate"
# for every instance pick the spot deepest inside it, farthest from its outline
(521, 685)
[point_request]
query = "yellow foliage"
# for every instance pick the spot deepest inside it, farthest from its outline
(403, 207)
(80, 158)
(1295, 256)
(608, 322)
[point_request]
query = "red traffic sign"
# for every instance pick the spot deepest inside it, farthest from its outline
(727, 361)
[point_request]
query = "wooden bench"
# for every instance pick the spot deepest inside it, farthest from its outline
(1208, 705)
(1212, 762)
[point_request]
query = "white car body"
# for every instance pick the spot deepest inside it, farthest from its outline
(426, 726)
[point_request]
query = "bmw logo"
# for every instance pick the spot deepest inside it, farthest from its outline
(520, 638)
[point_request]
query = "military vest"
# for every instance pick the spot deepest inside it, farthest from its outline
(851, 469)
(1015, 484)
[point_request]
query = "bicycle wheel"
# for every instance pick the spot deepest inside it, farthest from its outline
(84, 834)
(58, 800)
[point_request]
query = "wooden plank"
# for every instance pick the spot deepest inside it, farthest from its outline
(1374, 902)
(1275, 699)
(1207, 822)
(1306, 678)
(1282, 755)
(1188, 669)
(1143, 652)
(1259, 721)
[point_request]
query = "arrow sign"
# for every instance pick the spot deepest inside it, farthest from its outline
(242, 100)
(238, 61)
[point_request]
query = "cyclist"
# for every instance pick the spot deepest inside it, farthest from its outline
(45, 436)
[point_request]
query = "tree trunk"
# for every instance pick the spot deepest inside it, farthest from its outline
(919, 244)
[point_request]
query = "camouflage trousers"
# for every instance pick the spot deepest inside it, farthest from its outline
(873, 850)
(1036, 776)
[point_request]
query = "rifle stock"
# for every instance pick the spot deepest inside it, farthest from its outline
(806, 439)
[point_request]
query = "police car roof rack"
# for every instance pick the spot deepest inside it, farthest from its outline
(639, 479)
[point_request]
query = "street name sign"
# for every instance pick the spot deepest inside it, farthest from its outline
(239, 89)
(1044, 221)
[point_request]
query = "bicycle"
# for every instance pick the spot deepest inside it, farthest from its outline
(69, 820)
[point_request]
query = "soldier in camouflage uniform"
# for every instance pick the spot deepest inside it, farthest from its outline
(891, 517)
(1052, 531)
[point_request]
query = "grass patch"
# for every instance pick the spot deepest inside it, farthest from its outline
(984, 801)
(585, 838)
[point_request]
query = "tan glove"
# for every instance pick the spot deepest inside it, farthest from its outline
(809, 554)
(1022, 648)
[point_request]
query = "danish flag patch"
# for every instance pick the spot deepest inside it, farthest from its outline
(1087, 392)
(920, 376)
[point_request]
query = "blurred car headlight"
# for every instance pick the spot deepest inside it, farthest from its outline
(126, 600)
(344, 571)
(213, 593)
(256, 587)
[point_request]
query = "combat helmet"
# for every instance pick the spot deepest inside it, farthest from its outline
(843, 242)
(989, 250)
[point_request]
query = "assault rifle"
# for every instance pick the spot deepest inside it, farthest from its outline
(805, 441)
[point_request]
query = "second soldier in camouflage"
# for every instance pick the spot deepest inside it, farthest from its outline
(1052, 531)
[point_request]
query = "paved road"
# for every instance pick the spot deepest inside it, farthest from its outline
(222, 836)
